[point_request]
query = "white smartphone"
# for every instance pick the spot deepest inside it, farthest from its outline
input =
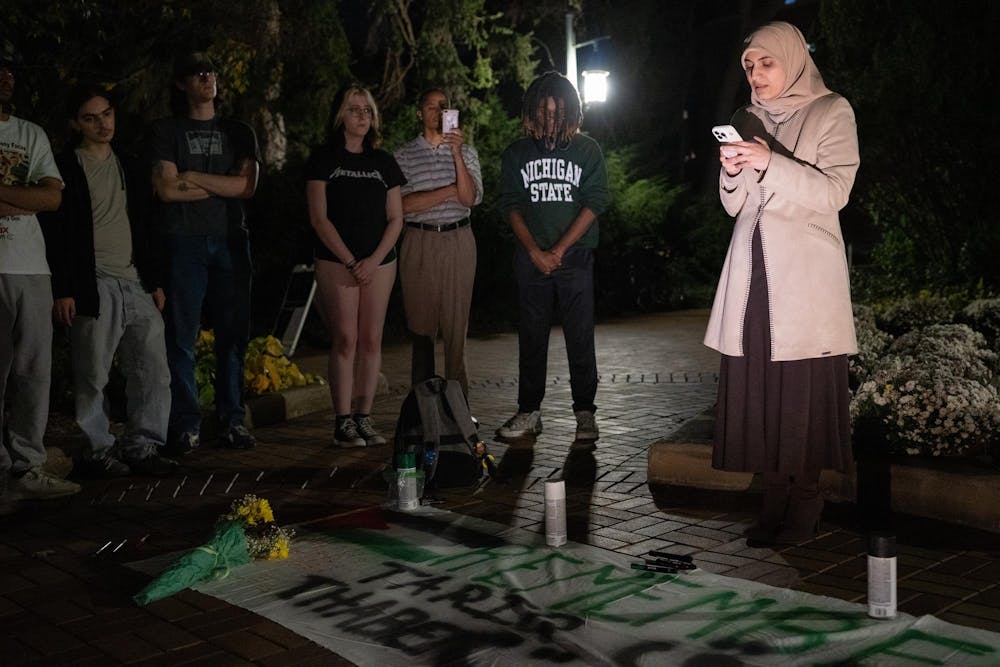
(450, 120)
(726, 134)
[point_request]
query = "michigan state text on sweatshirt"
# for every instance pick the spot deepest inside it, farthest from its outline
(549, 188)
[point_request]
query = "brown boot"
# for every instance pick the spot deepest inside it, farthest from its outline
(805, 505)
(772, 510)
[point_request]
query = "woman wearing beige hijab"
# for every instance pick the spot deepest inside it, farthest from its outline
(782, 314)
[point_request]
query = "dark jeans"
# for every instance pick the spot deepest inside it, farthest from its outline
(569, 293)
(212, 272)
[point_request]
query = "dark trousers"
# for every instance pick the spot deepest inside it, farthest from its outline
(568, 292)
(212, 271)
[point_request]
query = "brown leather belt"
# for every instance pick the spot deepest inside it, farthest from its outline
(438, 228)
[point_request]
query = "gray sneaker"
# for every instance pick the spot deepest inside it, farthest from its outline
(522, 424)
(39, 485)
(346, 434)
(586, 425)
(366, 429)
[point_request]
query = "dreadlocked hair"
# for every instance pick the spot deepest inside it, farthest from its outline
(557, 131)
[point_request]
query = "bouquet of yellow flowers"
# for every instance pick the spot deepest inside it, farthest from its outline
(265, 539)
(248, 531)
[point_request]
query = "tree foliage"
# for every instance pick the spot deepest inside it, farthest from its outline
(266, 48)
(281, 63)
(922, 80)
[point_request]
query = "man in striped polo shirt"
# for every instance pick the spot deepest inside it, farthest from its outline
(437, 263)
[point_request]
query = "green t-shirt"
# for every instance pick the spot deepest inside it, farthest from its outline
(550, 188)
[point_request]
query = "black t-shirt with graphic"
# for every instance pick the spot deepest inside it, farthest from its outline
(215, 146)
(356, 187)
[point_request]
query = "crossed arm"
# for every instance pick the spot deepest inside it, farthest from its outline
(25, 200)
(171, 185)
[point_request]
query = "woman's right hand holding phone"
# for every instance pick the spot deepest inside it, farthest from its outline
(728, 158)
(739, 154)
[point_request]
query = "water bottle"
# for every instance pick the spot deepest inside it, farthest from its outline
(406, 481)
(430, 460)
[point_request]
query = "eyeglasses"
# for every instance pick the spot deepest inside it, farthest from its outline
(361, 112)
(203, 75)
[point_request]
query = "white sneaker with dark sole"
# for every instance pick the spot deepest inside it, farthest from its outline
(522, 424)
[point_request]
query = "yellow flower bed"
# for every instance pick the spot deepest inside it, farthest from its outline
(266, 369)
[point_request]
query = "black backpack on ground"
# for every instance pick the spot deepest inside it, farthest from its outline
(435, 425)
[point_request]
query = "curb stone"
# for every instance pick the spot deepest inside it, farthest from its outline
(270, 409)
(967, 496)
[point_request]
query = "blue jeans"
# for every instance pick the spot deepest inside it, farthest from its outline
(130, 325)
(569, 292)
(210, 272)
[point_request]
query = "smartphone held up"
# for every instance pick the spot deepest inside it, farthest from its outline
(726, 134)
(449, 120)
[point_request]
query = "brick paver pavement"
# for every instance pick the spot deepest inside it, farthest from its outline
(65, 590)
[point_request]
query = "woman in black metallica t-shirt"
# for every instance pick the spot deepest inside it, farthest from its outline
(356, 211)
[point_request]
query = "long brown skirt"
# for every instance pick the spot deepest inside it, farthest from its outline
(779, 416)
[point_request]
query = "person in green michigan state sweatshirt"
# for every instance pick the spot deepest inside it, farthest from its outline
(554, 185)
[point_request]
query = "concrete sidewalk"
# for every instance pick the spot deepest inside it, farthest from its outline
(65, 591)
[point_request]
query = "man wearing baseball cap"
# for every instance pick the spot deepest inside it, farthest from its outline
(29, 183)
(204, 166)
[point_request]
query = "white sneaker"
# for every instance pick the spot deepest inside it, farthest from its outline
(522, 424)
(586, 426)
(37, 484)
(346, 435)
(366, 429)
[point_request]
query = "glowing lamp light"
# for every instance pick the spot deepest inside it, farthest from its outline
(595, 85)
(595, 61)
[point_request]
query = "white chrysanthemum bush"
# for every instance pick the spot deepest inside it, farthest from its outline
(872, 344)
(933, 392)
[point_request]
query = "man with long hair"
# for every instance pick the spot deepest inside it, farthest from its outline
(554, 185)
(29, 183)
(203, 167)
(106, 282)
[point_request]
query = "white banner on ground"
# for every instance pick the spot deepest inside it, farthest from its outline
(437, 588)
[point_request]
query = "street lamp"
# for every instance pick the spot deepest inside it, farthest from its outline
(595, 73)
(595, 85)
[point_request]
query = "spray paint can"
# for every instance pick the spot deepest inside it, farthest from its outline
(406, 481)
(881, 575)
(555, 512)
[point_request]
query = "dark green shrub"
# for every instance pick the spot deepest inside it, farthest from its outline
(897, 316)
(983, 315)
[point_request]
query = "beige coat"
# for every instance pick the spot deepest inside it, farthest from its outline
(813, 163)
